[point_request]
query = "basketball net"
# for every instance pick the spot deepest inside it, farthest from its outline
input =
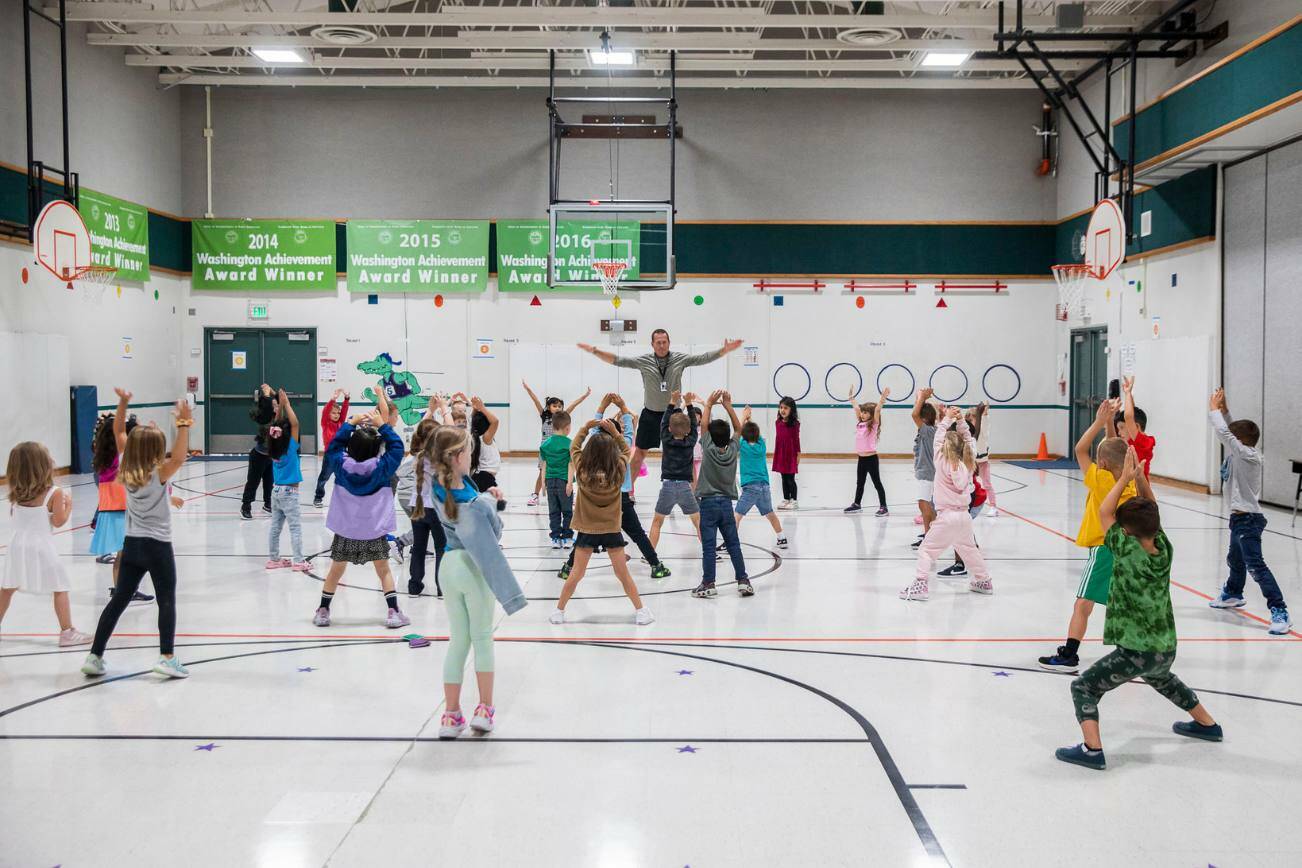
(94, 280)
(609, 272)
(1071, 288)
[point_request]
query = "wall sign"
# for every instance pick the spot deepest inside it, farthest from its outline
(263, 254)
(128, 348)
(239, 360)
(328, 370)
(417, 256)
(522, 252)
(119, 234)
(482, 348)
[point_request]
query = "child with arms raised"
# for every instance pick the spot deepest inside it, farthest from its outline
(868, 428)
(924, 459)
(110, 522)
(287, 474)
(679, 431)
(717, 488)
(546, 410)
(755, 492)
(332, 416)
(1140, 622)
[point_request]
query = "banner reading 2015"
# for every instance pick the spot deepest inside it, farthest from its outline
(119, 234)
(417, 256)
(263, 254)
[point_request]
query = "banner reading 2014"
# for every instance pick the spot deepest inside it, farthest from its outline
(417, 256)
(119, 234)
(263, 254)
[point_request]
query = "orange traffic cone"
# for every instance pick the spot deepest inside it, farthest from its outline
(1043, 454)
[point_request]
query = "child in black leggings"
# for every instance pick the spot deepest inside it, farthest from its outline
(868, 428)
(263, 413)
(144, 470)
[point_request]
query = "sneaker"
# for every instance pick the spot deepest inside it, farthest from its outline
(952, 571)
(981, 586)
(564, 572)
(318, 502)
(660, 571)
(395, 550)
(854, 507)
(322, 617)
(1082, 756)
(106, 559)
(415, 589)
(171, 667)
(795, 505)
(643, 616)
(396, 619)
(94, 665)
(451, 725)
(71, 637)
(704, 589)
(786, 504)
(556, 542)
(721, 547)
(882, 512)
(917, 542)
(138, 597)
(1194, 729)
(246, 513)
(567, 542)
(532, 501)
(916, 591)
(300, 566)
(917, 519)
(782, 542)
(1061, 661)
(745, 588)
(1228, 601)
(266, 510)
(278, 564)
(993, 512)
(556, 617)
(1280, 622)
(482, 721)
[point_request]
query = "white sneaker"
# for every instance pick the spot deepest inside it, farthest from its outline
(782, 542)
(451, 725)
(483, 718)
(93, 666)
(994, 513)
(171, 667)
(918, 590)
(556, 617)
(795, 505)
(643, 616)
(786, 504)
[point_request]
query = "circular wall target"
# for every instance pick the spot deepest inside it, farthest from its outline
(950, 380)
(894, 378)
(792, 379)
(1005, 381)
(848, 378)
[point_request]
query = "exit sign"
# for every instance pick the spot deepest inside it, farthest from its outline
(259, 310)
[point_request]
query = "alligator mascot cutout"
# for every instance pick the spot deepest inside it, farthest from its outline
(401, 388)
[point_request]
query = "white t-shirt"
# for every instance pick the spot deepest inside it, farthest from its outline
(490, 457)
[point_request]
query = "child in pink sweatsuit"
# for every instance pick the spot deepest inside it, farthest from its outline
(952, 525)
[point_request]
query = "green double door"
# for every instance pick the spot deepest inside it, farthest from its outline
(237, 361)
(1089, 378)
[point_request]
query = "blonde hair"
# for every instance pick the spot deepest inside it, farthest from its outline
(146, 451)
(956, 449)
(1112, 455)
(30, 472)
(440, 450)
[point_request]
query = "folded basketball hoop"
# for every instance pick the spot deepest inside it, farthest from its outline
(1071, 288)
(609, 272)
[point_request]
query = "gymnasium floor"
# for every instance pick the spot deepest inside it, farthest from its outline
(822, 722)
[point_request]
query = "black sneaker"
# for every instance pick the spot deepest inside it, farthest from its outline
(246, 512)
(705, 589)
(952, 571)
(266, 509)
(415, 589)
(917, 542)
(882, 512)
(1061, 662)
(854, 507)
(138, 597)
(1082, 756)
(106, 559)
(745, 588)
(564, 572)
(660, 571)
(318, 502)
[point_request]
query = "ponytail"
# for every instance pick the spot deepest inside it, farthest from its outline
(418, 511)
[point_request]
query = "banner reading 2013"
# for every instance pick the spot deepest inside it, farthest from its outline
(263, 254)
(119, 234)
(417, 256)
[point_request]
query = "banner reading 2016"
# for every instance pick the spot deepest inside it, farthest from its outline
(263, 254)
(417, 256)
(119, 234)
(522, 251)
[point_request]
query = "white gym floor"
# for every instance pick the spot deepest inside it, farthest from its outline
(822, 722)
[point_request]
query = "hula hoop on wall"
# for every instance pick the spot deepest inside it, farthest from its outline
(809, 381)
(1016, 391)
(957, 397)
(828, 376)
(913, 381)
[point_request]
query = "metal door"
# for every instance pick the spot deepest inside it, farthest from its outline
(1089, 377)
(237, 362)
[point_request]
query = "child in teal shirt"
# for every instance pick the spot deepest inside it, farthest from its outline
(755, 477)
(555, 454)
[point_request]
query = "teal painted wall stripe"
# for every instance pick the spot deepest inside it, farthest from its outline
(1270, 72)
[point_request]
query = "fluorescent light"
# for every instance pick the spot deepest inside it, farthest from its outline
(279, 55)
(945, 58)
(611, 58)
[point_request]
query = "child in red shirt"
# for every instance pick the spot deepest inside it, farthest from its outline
(331, 418)
(1131, 422)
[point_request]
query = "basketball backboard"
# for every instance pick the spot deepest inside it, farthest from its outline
(641, 235)
(61, 242)
(1105, 239)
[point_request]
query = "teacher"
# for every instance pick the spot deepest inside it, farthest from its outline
(662, 375)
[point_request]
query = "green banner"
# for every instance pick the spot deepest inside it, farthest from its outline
(119, 234)
(263, 254)
(417, 256)
(522, 251)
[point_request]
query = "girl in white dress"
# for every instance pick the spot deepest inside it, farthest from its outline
(32, 564)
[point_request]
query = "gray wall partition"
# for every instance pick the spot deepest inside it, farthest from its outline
(1263, 307)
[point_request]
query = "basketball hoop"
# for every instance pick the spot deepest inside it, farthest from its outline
(609, 272)
(1071, 288)
(94, 280)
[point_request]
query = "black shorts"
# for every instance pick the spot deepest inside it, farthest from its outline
(648, 429)
(599, 541)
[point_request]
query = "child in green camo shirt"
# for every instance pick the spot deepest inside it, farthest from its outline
(1140, 622)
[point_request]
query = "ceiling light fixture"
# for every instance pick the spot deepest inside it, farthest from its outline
(605, 56)
(948, 59)
(279, 55)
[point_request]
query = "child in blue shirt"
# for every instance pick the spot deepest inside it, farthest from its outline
(755, 478)
(286, 474)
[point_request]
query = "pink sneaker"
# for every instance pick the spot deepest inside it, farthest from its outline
(981, 586)
(916, 591)
(300, 566)
(917, 519)
(278, 563)
(532, 501)
(482, 721)
(451, 725)
(72, 636)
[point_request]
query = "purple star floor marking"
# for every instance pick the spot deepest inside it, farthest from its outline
(208, 747)
(684, 672)
(306, 669)
(687, 748)
(1001, 674)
